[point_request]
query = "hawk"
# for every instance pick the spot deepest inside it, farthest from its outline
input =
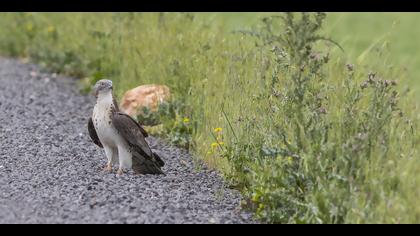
(122, 138)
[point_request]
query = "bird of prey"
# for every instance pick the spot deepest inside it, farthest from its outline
(122, 138)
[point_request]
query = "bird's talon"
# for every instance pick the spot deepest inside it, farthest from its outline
(108, 168)
(120, 172)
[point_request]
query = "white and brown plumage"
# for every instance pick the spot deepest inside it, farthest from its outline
(122, 138)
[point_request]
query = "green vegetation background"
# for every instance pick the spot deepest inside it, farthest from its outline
(358, 33)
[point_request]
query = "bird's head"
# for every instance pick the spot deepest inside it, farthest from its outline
(102, 87)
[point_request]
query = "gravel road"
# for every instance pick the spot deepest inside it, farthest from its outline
(50, 171)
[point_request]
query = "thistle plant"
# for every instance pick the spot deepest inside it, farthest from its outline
(314, 143)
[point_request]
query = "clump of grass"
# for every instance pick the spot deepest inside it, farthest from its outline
(173, 122)
(305, 136)
(309, 154)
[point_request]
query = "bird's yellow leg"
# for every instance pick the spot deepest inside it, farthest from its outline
(110, 153)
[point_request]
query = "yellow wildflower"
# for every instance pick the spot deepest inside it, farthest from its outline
(186, 120)
(29, 27)
(218, 130)
(50, 29)
(290, 160)
(213, 145)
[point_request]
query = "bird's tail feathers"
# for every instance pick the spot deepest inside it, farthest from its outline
(142, 165)
(158, 159)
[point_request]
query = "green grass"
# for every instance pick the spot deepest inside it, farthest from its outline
(304, 138)
(392, 31)
(358, 33)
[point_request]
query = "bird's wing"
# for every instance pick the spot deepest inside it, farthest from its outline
(144, 160)
(158, 159)
(92, 133)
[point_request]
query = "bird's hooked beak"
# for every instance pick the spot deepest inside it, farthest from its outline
(94, 91)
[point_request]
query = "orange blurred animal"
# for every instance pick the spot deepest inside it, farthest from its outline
(149, 95)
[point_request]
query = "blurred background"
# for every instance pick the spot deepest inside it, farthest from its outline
(357, 32)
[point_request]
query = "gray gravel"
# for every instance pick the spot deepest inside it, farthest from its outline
(50, 171)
